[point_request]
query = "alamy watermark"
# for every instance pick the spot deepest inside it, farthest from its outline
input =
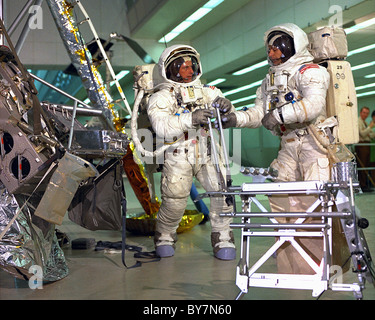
(36, 281)
(337, 18)
(35, 17)
(196, 144)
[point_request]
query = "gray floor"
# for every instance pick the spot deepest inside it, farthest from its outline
(192, 274)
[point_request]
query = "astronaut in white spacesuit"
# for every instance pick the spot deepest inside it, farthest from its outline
(179, 113)
(290, 98)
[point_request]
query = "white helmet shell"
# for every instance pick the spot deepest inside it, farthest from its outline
(302, 55)
(174, 52)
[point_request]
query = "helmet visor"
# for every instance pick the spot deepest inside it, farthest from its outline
(183, 69)
(279, 47)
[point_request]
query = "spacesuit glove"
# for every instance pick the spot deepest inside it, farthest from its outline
(223, 104)
(269, 121)
(201, 116)
(228, 121)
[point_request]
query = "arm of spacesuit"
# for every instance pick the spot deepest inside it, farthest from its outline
(166, 124)
(310, 100)
(252, 117)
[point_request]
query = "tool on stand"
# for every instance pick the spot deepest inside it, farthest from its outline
(225, 184)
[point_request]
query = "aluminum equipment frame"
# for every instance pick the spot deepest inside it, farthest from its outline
(330, 195)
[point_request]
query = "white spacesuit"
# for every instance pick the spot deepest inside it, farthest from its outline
(290, 99)
(179, 114)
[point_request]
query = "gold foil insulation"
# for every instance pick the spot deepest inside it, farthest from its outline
(80, 56)
(145, 225)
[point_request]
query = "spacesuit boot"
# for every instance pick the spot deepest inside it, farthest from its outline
(223, 245)
(165, 231)
(222, 239)
(163, 249)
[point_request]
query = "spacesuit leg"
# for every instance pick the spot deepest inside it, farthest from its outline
(222, 238)
(176, 181)
(288, 170)
(319, 169)
(299, 159)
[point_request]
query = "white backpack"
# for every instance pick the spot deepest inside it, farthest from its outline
(329, 48)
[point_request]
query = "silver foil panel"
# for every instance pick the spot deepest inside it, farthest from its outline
(29, 241)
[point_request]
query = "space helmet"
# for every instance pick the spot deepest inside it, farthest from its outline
(292, 42)
(282, 41)
(173, 58)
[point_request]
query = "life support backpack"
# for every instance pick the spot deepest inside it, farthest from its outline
(329, 48)
(146, 82)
